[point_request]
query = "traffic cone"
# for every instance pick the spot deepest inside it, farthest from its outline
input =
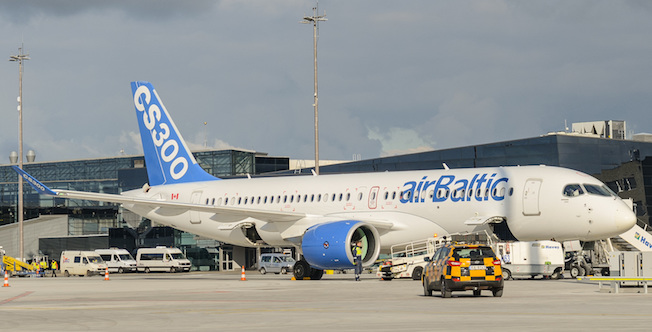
(6, 284)
(243, 278)
(106, 274)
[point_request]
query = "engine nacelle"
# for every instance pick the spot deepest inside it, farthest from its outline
(328, 246)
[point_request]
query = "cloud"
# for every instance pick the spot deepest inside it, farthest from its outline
(399, 141)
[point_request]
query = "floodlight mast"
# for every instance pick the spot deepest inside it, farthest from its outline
(19, 58)
(315, 19)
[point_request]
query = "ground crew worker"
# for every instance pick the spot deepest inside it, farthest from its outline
(357, 253)
(54, 266)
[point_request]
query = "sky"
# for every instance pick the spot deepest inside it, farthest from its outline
(395, 77)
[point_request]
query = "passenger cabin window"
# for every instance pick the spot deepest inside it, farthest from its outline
(572, 190)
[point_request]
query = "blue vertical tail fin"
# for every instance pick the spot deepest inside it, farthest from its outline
(167, 156)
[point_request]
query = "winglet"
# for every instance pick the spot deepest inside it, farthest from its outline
(38, 186)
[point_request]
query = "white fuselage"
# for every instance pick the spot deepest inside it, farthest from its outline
(407, 205)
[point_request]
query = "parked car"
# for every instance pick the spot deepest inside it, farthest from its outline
(276, 263)
(460, 267)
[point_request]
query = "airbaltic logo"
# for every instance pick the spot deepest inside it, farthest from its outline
(169, 148)
(481, 187)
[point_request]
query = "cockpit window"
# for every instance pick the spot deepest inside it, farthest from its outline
(596, 190)
(573, 190)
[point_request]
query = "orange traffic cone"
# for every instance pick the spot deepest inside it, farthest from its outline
(6, 284)
(243, 278)
(106, 274)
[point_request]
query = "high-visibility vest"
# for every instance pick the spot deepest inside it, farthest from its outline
(54, 265)
(358, 251)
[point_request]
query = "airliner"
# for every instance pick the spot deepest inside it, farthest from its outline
(323, 215)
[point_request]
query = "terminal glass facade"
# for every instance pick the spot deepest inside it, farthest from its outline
(109, 175)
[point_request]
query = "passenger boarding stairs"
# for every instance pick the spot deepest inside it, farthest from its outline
(636, 239)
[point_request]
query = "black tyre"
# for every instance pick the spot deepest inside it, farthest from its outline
(575, 271)
(557, 274)
(316, 274)
(301, 270)
(426, 290)
(605, 271)
(416, 273)
(476, 292)
(66, 273)
(497, 292)
(147, 270)
(284, 270)
(262, 270)
(507, 274)
(121, 270)
(445, 292)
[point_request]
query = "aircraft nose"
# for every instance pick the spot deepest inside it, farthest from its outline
(624, 219)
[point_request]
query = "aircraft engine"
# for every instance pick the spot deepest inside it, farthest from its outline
(328, 246)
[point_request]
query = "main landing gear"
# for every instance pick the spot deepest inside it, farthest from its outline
(302, 270)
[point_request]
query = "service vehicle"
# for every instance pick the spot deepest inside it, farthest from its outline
(531, 259)
(81, 263)
(406, 260)
(162, 259)
(461, 267)
(118, 260)
(276, 263)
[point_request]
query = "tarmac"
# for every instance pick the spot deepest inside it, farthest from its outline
(199, 301)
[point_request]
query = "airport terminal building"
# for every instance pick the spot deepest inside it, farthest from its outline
(53, 224)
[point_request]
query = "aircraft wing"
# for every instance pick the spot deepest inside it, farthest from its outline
(266, 215)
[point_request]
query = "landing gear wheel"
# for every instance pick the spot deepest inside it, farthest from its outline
(497, 292)
(507, 274)
(416, 274)
(445, 292)
(316, 274)
(301, 270)
(476, 292)
(426, 290)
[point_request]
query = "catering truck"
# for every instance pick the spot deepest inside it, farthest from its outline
(531, 259)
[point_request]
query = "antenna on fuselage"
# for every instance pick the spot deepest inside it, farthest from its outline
(445, 166)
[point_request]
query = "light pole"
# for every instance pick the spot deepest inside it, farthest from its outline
(314, 19)
(19, 58)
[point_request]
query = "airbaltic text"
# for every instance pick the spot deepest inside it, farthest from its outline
(480, 187)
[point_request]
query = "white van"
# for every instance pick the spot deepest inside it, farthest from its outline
(118, 260)
(162, 259)
(275, 262)
(81, 263)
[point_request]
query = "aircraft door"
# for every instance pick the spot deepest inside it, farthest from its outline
(194, 215)
(531, 197)
(373, 197)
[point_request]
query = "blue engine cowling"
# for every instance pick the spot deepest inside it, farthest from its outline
(328, 246)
